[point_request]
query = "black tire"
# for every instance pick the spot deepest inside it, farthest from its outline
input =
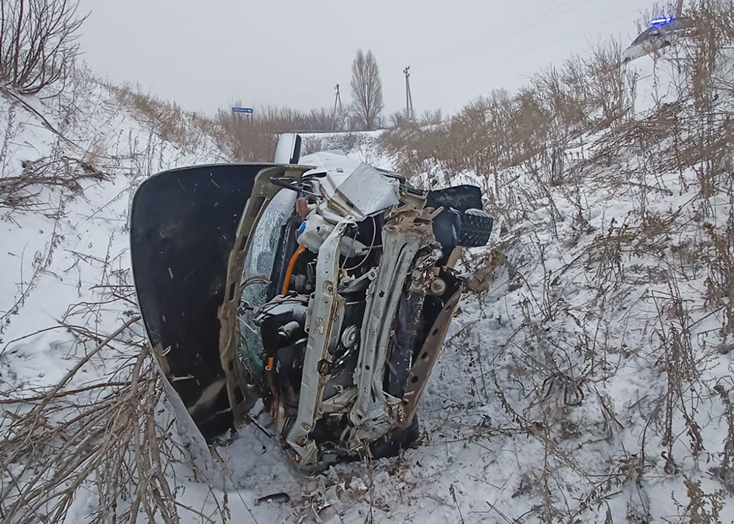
(476, 227)
(390, 446)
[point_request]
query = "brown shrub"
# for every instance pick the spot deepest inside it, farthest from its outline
(37, 42)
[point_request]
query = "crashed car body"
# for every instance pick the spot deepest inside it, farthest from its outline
(662, 33)
(310, 297)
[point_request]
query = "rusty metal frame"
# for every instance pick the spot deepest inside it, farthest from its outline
(403, 235)
(421, 370)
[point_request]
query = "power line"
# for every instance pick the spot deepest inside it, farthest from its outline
(533, 14)
(478, 44)
(509, 30)
(545, 44)
(562, 38)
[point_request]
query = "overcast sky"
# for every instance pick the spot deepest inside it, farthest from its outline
(205, 54)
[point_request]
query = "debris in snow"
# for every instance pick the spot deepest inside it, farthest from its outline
(280, 498)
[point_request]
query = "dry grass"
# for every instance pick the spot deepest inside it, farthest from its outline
(169, 121)
(65, 172)
(105, 438)
(252, 138)
(109, 440)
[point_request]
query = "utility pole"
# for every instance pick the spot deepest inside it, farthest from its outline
(338, 111)
(679, 9)
(409, 114)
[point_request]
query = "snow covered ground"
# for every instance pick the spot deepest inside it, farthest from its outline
(581, 381)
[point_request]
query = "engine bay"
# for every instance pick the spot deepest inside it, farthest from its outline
(331, 337)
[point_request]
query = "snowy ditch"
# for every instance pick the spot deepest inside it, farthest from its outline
(586, 378)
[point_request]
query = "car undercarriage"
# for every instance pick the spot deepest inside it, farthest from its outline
(318, 303)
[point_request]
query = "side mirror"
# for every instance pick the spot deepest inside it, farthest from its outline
(288, 150)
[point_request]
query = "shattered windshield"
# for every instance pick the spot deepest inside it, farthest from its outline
(257, 272)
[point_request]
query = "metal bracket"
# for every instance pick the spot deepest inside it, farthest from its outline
(324, 326)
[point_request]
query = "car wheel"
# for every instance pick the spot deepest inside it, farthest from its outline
(476, 226)
(390, 446)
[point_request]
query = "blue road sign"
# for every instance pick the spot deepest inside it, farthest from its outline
(246, 110)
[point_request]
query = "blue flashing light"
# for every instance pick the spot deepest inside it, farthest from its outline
(661, 21)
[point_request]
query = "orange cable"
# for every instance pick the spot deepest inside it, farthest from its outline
(291, 265)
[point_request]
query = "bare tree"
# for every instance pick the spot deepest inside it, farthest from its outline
(366, 90)
(37, 42)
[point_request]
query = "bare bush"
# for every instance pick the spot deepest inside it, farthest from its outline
(398, 118)
(252, 138)
(169, 120)
(431, 117)
(37, 42)
(287, 119)
(531, 128)
(568, 107)
(104, 437)
(427, 118)
(609, 83)
(64, 172)
(245, 139)
(414, 149)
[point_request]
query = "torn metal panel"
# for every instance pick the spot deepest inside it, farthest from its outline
(364, 193)
(403, 235)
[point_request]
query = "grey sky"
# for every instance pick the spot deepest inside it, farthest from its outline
(205, 54)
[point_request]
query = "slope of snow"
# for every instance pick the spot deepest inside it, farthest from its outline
(549, 400)
(65, 282)
(559, 395)
(63, 245)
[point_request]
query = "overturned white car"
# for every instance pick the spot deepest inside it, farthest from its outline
(310, 297)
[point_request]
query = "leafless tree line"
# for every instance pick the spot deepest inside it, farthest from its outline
(252, 137)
